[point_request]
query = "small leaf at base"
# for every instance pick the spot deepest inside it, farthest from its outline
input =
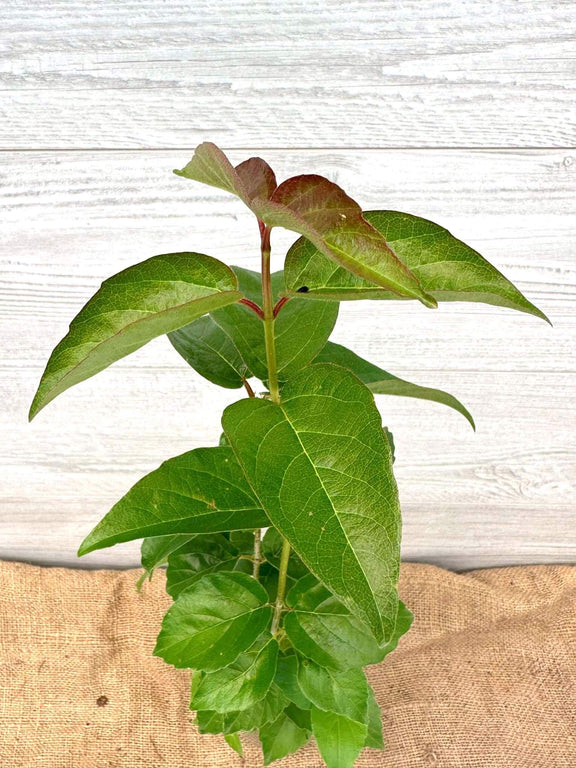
(282, 737)
(203, 554)
(343, 692)
(212, 623)
(155, 550)
(240, 685)
(339, 739)
(233, 740)
(374, 738)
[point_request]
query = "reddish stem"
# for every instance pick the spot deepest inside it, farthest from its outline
(280, 303)
(264, 235)
(253, 306)
(248, 388)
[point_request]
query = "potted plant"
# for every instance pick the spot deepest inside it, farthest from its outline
(282, 543)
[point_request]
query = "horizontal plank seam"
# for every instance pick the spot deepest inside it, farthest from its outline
(399, 148)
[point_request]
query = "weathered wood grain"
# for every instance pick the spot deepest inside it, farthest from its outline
(503, 495)
(252, 73)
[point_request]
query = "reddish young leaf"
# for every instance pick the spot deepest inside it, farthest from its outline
(250, 180)
(258, 178)
(321, 211)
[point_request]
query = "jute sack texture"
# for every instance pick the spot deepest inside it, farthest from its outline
(486, 678)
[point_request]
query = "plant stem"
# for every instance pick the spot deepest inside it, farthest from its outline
(258, 532)
(268, 309)
(284, 557)
(257, 552)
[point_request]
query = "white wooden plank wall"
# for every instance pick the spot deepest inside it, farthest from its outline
(459, 110)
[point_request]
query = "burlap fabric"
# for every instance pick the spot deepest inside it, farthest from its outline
(486, 679)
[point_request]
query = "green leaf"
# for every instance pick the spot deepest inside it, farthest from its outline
(228, 345)
(233, 740)
(324, 630)
(217, 619)
(339, 739)
(447, 268)
(319, 614)
(345, 692)
(299, 334)
(404, 619)
(202, 491)
(383, 383)
(251, 179)
(130, 309)
(301, 717)
(202, 555)
(210, 351)
(264, 711)
(209, 721)
(240, 685)
(321, 211)
(236, 338)
(223, 441)
(374, 737)
(282, 737)
(321, 466)
(155, 550)
(287, 680)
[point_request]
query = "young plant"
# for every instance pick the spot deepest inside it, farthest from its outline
(282, 543)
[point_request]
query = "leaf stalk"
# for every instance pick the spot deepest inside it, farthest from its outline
(279, 304)
(248, 388)
(253, 306)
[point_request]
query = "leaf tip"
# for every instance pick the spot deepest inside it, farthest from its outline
(545, 318)
(36, 406)
(429, 301)
(532, 309)
(140, 582)
(85, 547)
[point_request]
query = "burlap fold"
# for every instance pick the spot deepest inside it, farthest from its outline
(486, 678)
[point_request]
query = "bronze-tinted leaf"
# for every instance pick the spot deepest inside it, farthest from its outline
(251, 179)
(322, 212)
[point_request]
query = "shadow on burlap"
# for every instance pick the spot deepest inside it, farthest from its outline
(486, 678)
